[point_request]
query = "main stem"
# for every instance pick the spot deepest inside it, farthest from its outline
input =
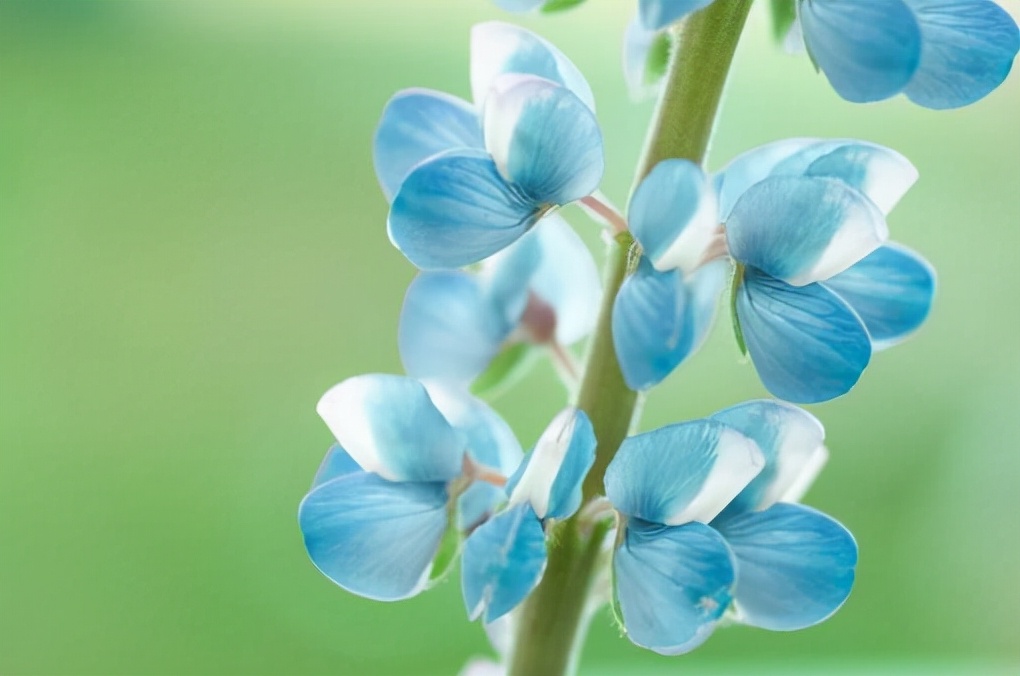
(549, 635)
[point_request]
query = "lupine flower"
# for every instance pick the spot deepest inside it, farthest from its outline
(939, 53)
(381, 504)
(673, 575)
(504, 558)
(542, 290)
(804, 225)
(795, 565)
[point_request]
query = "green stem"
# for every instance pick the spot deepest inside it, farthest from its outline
(549, 637)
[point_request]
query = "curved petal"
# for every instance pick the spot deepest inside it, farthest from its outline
(806, 343)
(673, 584)
(967, 51)
(417, 124)
(753, 166)
(448, 329)
(499, 48)
(891, 290)
(551, 475)
(704, 288)
(674, 215)
(456, 209)
(638, 42)
(505, 277)
(795, 566)
(802, 229)
(390, 426)
(789, 438)
(337, 462)
(869, 51)
(681, 473)
(502, 562)
(519, 5)
(657, 14)
(373, 537)
(544, 139)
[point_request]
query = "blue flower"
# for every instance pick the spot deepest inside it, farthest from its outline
(381, 504)
(504, 558)
(673, 575)
(939, 53)
(795, 565)
(544, 289)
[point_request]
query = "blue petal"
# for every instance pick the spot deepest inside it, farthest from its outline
(456, 209)
(673, 584)
(803, 229)
(868, 50)
(505, 277)
(337, 462)
(967, 51)
(673, 215)
(751, 167)
(502, 562)
(519, 5)
(795, 566)
(656, 14)
(806, 343)
(390, 426)
(790, 438)
(499, 48)
(448, 329)
(681, 473)
(704, 288)
(891, 290)
(637, 43)
(550, 477)
(417, 124)
(374, 537)
(544, 139)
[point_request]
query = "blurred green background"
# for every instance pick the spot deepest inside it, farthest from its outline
(193, 248)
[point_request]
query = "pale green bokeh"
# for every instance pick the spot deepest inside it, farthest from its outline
(192, 249)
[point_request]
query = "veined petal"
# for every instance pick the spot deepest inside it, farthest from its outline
(337, 462)
(802, 229)
(891, 290)
(681, 473)
(448, 329)
(795, 566)
(373, 537)
(656, 14)
(674, 215)
(751, 167)
(390, 426)
(637, 46)
(551, 475)
(417, 124)
(456, 209)
(869, 51)
(967, 51)
(499, 48)
(672, 583)
(505, 277)
(789, 438)
(806, 343)
(543, 138)
(502, 562)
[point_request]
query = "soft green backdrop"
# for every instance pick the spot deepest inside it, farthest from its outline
(193, 248)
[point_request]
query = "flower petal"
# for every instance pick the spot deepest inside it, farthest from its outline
(448, 329)
(967, 51)
(502, 562)
(869, 51)
(417, 124)
(789, 438)
(674, 215)
(544, 139)
(795, 566)
(657, 14)
(637, 46)
(891, 290)
(551, 475)
(673, 584)
(499, 48)
(337, 462)
(806, 343)
(390, 426)
(681, 473)
(751, 167)
(519, 5)
(456, 209)
(373, 537)
(803, 230)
